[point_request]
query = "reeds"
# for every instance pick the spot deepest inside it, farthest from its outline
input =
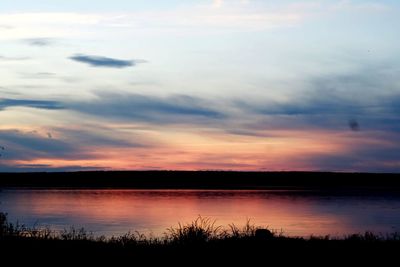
(202, 230)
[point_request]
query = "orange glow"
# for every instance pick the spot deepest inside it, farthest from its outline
(276, 150)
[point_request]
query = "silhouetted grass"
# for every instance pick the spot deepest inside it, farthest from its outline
(201, 230)
(201, 240)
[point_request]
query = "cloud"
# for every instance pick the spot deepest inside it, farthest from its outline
(39, 75)
(137, 107)
(98, 61)
(6, 27)
(217, 16)
(98, 136)
(39, 41)
(197, 19)
(370, 97)
(21, 145)
(382, 155)
(46, 168)
(3, 58)
(6, 91)
(40, 104)
(65, 148)
(367, 6)
(64, 143)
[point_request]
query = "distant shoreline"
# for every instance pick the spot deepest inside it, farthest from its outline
(219, 180)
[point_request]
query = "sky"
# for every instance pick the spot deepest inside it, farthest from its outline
(241, 85)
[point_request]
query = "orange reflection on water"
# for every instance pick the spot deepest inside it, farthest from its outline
(114, 212)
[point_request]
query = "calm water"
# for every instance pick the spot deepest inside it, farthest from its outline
(114, 212)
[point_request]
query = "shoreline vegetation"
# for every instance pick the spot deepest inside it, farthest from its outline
(323, 181)
(201, 240)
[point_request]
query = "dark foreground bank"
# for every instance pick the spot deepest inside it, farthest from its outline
(194, 244)
(202, 180)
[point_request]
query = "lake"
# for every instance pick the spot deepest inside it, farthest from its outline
(115, 212)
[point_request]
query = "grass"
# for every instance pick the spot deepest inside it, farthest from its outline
(201, 240)
(201, 230)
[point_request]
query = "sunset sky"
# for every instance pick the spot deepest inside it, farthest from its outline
(200, 85)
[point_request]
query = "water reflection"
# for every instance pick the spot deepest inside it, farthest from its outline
(113, 212)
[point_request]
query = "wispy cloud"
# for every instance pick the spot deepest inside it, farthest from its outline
(63, 143)
(21, 145)
(39, 75)
(45, 168)
(6, 91)
(187, 20)
(39, 41)
(214, 17)
(98, 61)
(40, 104)
(6, 27)
(368, 6)
(376, 152)
(97, 136)
(331, 101)
(30, 25)
(4, 58)
(137, 107)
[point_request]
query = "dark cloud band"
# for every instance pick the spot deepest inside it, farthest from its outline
(98, 61)
(136, 107)
(40, 104)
